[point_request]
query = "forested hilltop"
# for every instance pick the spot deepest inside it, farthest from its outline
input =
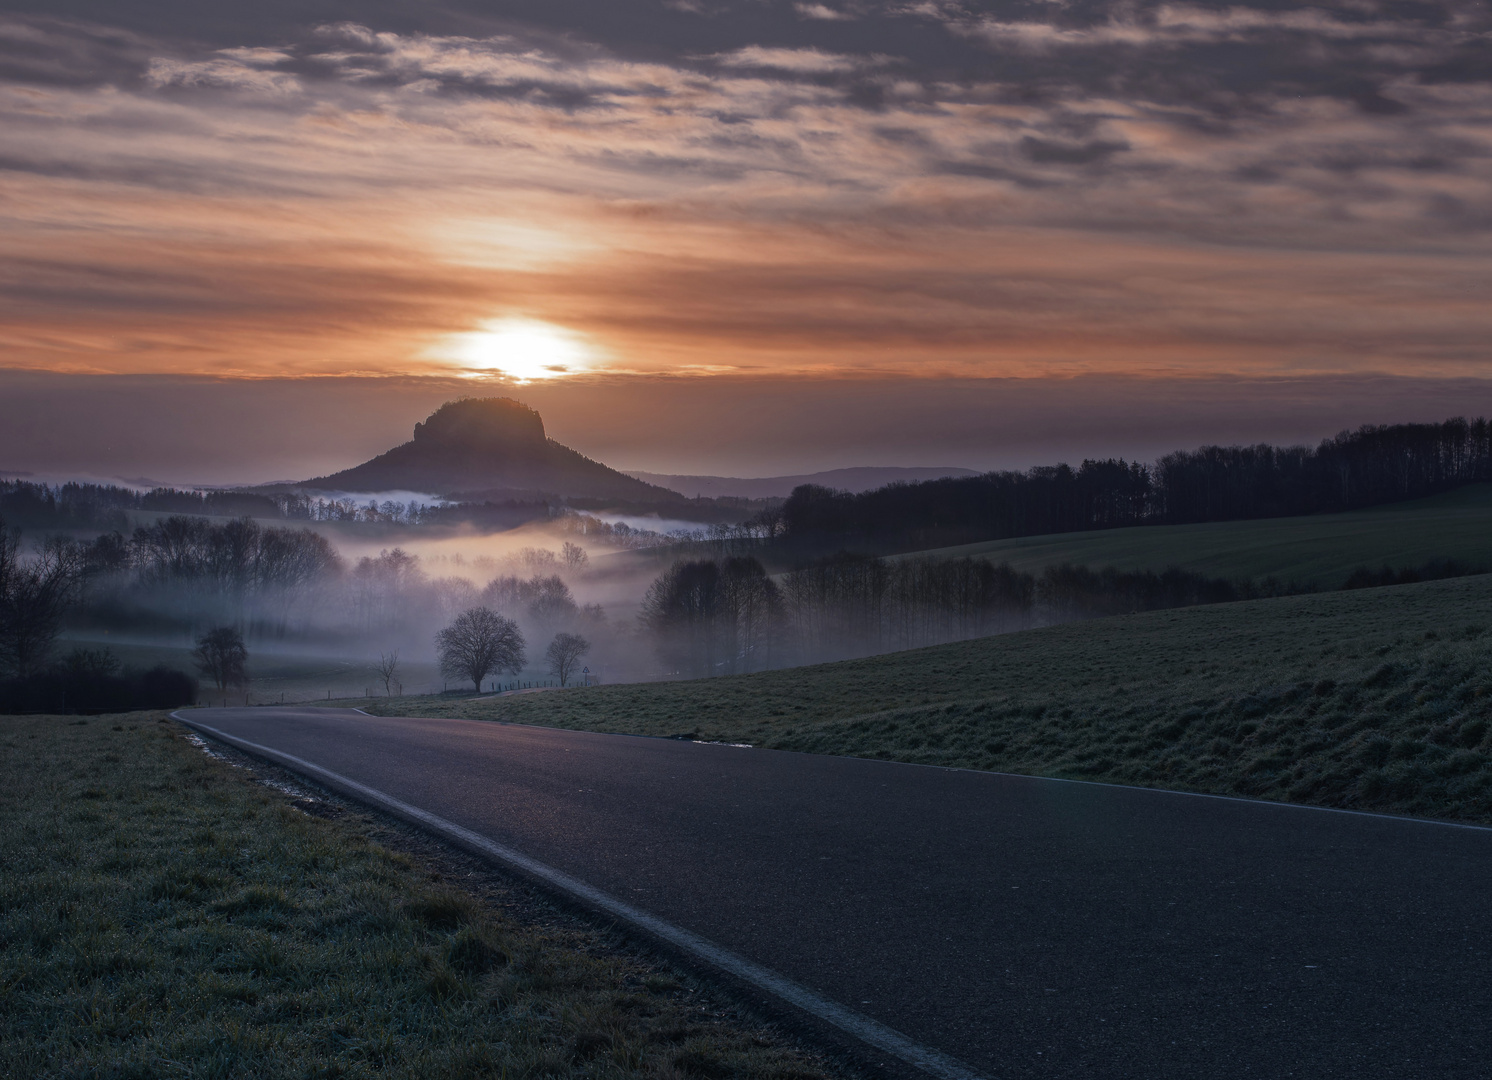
(1356, 469)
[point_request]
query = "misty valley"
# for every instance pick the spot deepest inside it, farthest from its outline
(331, 594)
(745, 540)
(472, 618)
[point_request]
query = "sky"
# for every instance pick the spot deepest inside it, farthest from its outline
(736, 236)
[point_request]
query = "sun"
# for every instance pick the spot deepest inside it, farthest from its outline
(522, 349)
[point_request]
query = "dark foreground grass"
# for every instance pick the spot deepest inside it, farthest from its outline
(162, 915)
(1377, 700)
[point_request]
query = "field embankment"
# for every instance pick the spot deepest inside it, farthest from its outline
(1378, 699)
(161, 914)
(1318, 550)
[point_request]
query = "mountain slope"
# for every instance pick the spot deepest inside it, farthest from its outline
(490, 445)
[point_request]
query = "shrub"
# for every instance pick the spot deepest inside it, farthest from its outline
(88, 682)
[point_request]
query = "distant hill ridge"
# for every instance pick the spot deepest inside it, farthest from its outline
(490, 445)
(854, 480)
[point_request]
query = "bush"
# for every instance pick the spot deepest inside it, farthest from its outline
(83, 687)
(1434, 570)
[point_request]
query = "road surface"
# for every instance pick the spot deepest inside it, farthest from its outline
(1024, 927)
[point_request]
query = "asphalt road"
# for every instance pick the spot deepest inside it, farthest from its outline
(1026, 927)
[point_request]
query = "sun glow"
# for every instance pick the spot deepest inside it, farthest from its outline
(522, 349)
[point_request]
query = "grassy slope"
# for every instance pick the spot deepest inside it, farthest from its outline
(1376, 699)
(163, 915)
(1321, 549)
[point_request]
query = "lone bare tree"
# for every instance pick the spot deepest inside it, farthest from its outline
(478, 643)
(564, 653)
(388, 668)
(221, 656)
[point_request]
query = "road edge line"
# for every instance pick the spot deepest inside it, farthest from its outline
(1273, 803)
(871, 1032)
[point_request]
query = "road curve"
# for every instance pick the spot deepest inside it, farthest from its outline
(1025, 927)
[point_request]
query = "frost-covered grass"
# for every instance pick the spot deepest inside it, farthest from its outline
(162, 915)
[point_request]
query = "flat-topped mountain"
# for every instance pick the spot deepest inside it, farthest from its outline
(493, 446)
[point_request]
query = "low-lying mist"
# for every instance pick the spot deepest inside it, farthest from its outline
(326, 609)
(310, 591)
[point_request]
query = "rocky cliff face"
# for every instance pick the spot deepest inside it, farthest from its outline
(482, 425)
(490, 445)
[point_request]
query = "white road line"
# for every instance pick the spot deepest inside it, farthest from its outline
(868, 1031)
(1245, 799)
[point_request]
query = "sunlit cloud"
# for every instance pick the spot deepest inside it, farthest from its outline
(821, 11)
(228, 73)
(523, 350)
(338, 201)
(809, 61)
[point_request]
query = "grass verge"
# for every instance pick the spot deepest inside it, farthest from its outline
(1378, 699)
(1318, 550)
(164, 915)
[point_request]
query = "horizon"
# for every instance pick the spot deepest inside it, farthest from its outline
(184, 430)
(1258, 223)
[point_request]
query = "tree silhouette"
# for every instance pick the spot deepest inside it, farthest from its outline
(388, 668)
(221, 656)
(479, 642)
(574, 556)
(564, 653)
(35, 594)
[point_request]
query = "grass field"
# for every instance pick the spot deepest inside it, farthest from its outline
(164, 915)
(1375, 699)
(1319, 550)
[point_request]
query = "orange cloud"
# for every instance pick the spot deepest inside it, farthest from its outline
(348, 202)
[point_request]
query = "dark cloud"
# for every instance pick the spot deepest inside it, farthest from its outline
(1049, 152)
(52, 52)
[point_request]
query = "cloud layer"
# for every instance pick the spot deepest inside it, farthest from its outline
(933, 188)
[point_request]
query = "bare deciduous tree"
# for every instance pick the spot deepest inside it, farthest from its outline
(478, 643)
(681, 609)
(290, 562)
(35, 593)
(388, 668)
(574, 556)
(221, 656)
(550, 602)
(564, 653)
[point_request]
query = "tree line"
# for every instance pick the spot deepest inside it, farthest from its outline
(184, 575)
(726, 616)
(80, 507)
(714, 617)
(94, 507)
(1356, 469)
(228, 572)
(36, 594)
